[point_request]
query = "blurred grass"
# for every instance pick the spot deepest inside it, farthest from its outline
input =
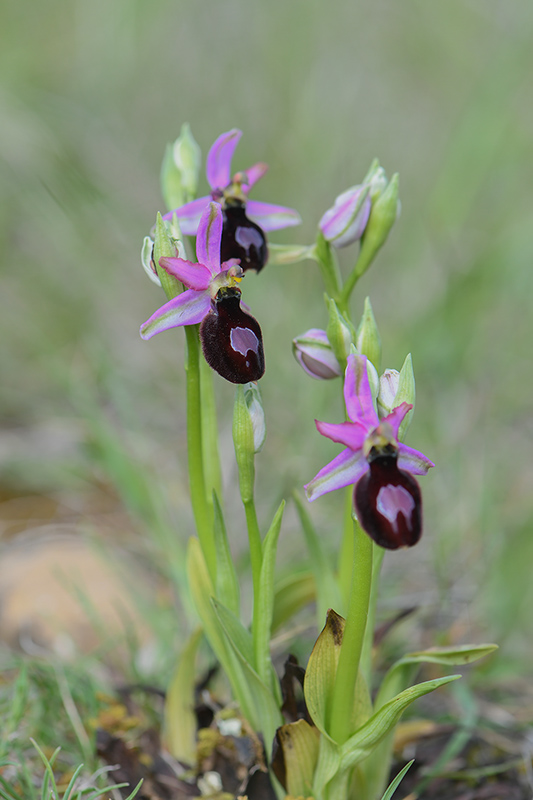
(90, 94)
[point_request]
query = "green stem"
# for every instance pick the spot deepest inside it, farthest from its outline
(256, 549)
(361, 266)
(345, 563)
(352, 641)
(200, 506)
(368, 642)
(211, 458)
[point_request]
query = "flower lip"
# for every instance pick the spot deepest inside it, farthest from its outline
(386, 495)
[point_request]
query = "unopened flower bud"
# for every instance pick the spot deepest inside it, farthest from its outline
(368, 340)
(377, 179)
(396, 388)
(243, 441)
(313, 352)
(382, 217)
(340, 334)
(254, 404)
(180, 168)
(345, 221)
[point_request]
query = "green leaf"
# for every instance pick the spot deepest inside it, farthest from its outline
(292, 593)
(179, 716)
(264, 611)
(227, 581)
(296, 757)
(327, 767)
(202, 592)
(257, 701)
(383, 721)
(321, 670)
(401, 672)
(239, 636)
(320, 678)
(396, 782)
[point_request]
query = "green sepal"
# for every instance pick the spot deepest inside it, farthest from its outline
(227, 581)
(368, 340)
(290, 253)
(292, 593)
(165, 247)
(406, 393)
(320, 678)
(329, 267)
(396, 782)
(180, 169)
(179, 719)
(340, 332)
(296, 757)
(264, 604)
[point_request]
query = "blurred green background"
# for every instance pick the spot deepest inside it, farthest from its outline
(91, 93)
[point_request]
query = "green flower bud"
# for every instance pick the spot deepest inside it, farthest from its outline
(397, 388)
(339, 332)
(254, 404)
(180, 169)
(377, 179)
(383, 215)
(368, 340)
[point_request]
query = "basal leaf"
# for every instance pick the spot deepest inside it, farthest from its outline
(296, 757)
(179, 716)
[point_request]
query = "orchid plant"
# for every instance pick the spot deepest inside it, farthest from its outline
(340, 747)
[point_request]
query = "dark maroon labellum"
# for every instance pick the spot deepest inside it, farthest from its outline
(242, 238)
(388, 504)
(231, 339)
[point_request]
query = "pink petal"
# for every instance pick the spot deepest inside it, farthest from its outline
(188, 308)
(357, 394)
(218, 166)
(413, 461)
(208, 238)
(194, 276)
(397, 416)
(189, 215)
(350, 434)
(270, 217)
(344, 470)
(253, 174)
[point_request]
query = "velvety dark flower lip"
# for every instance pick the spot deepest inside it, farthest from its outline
(225, 189)
(374, 456)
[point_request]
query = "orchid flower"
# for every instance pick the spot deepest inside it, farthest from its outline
(386, 496)
(231, 338)
(244, 220)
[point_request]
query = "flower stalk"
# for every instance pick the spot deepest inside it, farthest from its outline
(353, 638)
